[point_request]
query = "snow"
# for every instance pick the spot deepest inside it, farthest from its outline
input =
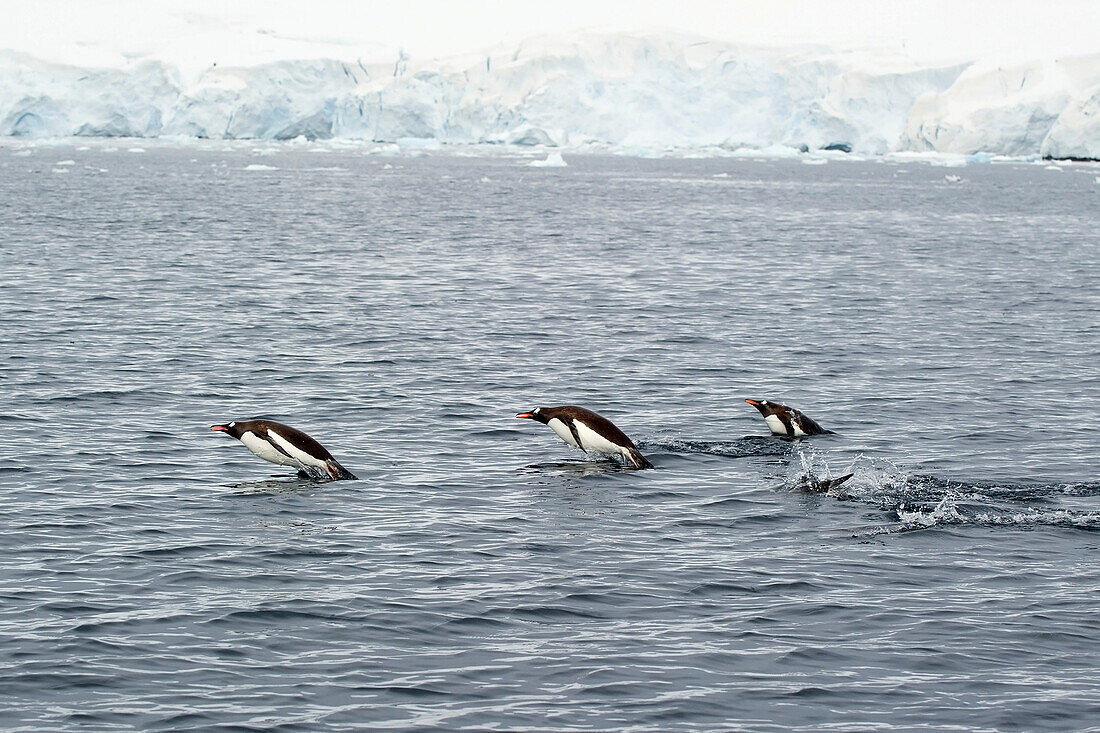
(199, 75)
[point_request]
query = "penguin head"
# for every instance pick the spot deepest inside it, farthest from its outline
(764, 406)
(535, 414)
(231, 429)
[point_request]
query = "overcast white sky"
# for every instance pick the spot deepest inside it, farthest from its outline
(924, 29)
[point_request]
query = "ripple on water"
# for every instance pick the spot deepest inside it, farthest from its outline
(482, 576)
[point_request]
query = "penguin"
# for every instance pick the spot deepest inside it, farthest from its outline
(285, 446)
(787, 421)
(813, 485)
(588, 431)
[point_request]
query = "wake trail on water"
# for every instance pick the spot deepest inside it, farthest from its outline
(924, 501)
(750, 445)
(911, 501)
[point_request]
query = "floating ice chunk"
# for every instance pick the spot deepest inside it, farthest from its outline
(260, 167)
(952, 179)
(65, 162)
(553, 160)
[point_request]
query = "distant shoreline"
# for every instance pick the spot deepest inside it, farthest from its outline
(524, 154)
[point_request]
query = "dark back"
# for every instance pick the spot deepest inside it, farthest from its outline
(597, 422)
(293, 435)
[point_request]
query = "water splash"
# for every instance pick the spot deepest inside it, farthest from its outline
(812, 473)
(922, 501)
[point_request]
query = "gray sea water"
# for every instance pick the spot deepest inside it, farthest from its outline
(482, 575)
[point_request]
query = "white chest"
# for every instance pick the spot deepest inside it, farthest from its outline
(562, 431)
(593, 442)
(776, 424)
(265, 450)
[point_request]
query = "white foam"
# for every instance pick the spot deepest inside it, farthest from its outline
(946, 512)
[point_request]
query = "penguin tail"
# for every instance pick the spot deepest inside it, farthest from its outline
(637, 459)
(337, 472)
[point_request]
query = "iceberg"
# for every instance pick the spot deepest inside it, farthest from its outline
(627, 93)
(553, 160)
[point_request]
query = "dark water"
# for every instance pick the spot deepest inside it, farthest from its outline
(481, 574)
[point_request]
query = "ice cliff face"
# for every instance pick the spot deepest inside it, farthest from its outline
(46, 100)
(625, 93)
(1036, 108)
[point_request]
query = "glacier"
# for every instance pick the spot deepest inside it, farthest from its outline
(634, 94)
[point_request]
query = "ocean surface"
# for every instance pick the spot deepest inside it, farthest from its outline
(480, 574)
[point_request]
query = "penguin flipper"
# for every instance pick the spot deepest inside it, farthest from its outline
(303, 469)
(814, 485)
(834, 482)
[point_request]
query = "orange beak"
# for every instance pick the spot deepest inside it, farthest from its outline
(752, 402)
(219, 428)
(525, 414)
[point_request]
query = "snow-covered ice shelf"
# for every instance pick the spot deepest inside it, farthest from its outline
(625, 93)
